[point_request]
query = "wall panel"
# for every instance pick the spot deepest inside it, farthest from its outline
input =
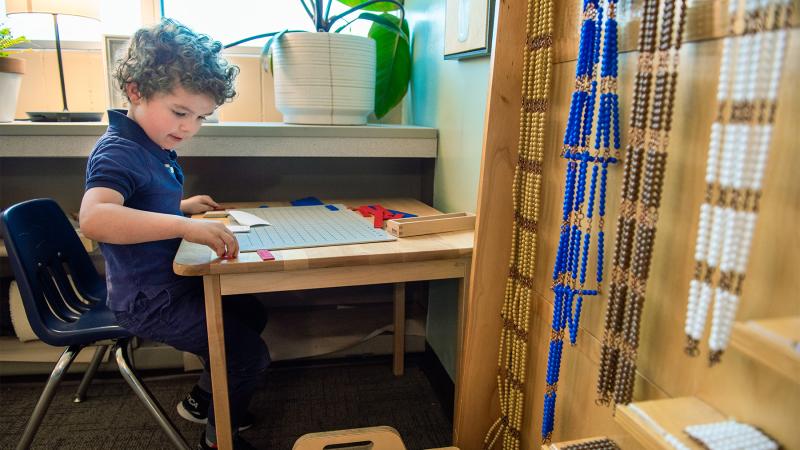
(246, 106)
(739, 386)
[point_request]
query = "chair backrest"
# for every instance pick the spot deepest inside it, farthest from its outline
(56, 277)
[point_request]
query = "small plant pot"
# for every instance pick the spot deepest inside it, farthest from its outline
(11, 70)
(324, 78)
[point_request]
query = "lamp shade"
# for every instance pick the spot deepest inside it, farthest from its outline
(82, 8)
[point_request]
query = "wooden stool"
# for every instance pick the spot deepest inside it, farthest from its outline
(371, 438)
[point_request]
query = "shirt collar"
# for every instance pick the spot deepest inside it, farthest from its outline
(121, 124)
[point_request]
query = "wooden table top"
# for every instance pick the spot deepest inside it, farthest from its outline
(195, 259)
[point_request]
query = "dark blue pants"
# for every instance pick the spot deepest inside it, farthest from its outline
(177, 317)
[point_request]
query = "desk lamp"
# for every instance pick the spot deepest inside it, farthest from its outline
(82, 8)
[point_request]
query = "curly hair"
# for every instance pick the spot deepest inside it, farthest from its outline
(169, 52)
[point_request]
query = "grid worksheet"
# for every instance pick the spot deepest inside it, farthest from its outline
(309, 226)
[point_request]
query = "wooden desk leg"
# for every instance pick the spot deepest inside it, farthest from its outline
(216, 354)
(463, 309)
(399, 327)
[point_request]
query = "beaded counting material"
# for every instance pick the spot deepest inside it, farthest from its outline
(596, 444)
(513, 358)
(578, 211)
(747, 91)
(730, 435)
(656, 78)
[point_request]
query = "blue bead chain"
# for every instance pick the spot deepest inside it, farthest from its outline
(578, 208)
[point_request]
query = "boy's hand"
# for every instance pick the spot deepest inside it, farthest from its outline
(213, 234)
(198, 204)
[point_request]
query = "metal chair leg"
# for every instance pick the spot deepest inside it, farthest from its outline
(133, 344)
(123, 362)
(47, 395)
(99, 353)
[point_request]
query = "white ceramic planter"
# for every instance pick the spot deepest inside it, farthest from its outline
(11, 70)
(324, 78)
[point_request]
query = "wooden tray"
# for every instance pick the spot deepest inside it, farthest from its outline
(440, 223)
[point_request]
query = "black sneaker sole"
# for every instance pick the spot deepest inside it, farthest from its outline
(184, 413)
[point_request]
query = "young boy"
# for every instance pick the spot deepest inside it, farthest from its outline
(133, 204)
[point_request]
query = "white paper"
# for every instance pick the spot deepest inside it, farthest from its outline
(238, 228)
(245, 218)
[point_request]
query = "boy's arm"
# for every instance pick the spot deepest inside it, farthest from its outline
(104, 218)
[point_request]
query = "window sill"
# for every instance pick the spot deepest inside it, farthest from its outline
(237, 139)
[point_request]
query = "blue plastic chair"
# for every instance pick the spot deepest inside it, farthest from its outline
(44, 249)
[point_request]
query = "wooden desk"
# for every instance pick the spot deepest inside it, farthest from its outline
(428, 257)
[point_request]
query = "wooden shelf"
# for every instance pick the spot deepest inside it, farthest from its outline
(242, 139)
(670, 415)
(563, 444)
(771, 342)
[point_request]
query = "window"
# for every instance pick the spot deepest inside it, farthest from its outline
(238, 19)
(116, 17)
(244, 18)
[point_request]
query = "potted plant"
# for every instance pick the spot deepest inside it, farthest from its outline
(11, 70)
(330, 78)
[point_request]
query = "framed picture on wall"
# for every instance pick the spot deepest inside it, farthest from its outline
(468, 28)
(114, 48)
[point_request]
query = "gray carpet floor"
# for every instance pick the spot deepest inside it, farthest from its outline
(293, 402)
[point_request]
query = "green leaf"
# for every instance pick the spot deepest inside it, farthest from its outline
(10, 42)
(339, 30)
(393, 61)
(7, 40)
(266, 51)
(380, 7)
(387, 21)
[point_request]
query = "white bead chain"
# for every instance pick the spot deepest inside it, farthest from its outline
(700, 291)
(737, 156)
(740, 228)
(730, 435)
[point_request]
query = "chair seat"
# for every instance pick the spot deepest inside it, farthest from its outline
(94, 325)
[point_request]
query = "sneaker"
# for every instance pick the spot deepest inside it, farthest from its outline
(238, 443)
(194, 408)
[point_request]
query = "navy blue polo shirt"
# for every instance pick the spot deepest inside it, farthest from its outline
(149, 178)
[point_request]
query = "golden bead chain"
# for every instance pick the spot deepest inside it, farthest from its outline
(515, 313)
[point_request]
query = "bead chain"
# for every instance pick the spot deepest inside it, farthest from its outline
(746, 93)
(578, 211)
(642, 185)
(512, 357)
(629, 195)
(594, 444)
(730, 435)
